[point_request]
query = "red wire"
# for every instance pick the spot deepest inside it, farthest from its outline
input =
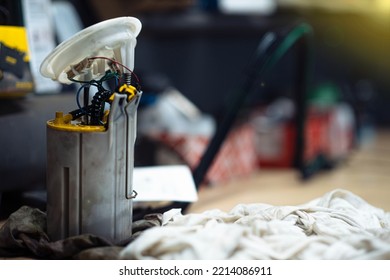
(118, 63)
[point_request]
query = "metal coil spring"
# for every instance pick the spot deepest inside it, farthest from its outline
(127, 78)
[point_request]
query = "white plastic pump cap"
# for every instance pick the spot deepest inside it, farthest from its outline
(113, 38)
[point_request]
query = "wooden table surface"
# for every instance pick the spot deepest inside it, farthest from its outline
(366, 173)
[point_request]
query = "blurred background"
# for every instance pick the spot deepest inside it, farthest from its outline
(199, 50)
(202, 47)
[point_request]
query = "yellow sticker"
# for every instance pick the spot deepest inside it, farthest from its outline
(15, 37)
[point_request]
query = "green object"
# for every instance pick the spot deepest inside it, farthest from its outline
(324, 95)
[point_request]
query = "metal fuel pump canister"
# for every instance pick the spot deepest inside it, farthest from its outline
(90, 151)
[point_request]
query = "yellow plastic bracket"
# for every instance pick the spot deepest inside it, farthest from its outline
(64, 123)
(129, 90)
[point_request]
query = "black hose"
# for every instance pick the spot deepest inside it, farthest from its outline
(96, 109)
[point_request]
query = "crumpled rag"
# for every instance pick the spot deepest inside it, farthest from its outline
(339, 225)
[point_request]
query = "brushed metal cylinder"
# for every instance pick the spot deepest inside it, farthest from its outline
(89, 177)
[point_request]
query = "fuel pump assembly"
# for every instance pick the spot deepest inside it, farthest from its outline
(90, 150)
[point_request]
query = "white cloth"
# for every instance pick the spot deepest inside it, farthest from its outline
(339, 225)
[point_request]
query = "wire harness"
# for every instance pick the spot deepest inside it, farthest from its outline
(115, 80)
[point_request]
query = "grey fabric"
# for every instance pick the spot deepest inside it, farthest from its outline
(24, 235)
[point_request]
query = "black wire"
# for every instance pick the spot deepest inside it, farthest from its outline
(86, 100)
(78, 113)
(95, 109)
